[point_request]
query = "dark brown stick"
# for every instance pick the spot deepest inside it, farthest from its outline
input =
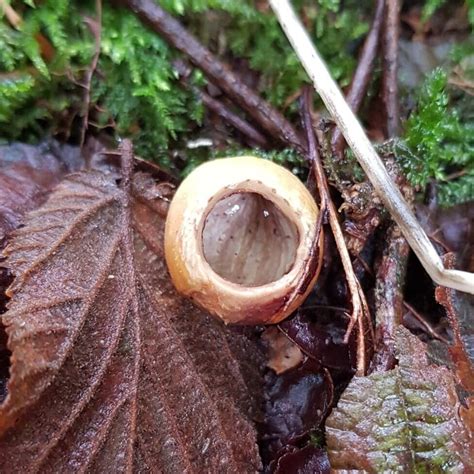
(360, 81)
(389, 297)
(217, 72)
(253, 136)
(390, 280)
(391, 38)
(97, 32)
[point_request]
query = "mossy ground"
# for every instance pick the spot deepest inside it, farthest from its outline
(135, 91)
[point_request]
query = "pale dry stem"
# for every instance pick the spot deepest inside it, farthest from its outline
(365, 152)
(10, 14)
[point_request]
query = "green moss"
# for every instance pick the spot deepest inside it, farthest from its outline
(287, 157)
(431, 6)
(135, 91)
(335, 28)
(141, 91)
(440, 146)
(35, 93)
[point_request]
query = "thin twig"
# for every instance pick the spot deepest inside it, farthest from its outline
(12, 16)
(97, 31)
(390, 280)
(328, 307)
(264, 115)
(360, 312)
(427, 326)
(365, 152)
(360, 81)
(253, 135)
(391, 37)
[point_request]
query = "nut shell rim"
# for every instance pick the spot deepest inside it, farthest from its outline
(192, 274)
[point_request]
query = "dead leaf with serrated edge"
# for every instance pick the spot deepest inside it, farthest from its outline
(403, 420)
(111, 370)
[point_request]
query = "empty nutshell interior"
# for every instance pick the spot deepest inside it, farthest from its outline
(248, 240)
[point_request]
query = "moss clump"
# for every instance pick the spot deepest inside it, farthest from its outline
(440, 146)
(135, 91)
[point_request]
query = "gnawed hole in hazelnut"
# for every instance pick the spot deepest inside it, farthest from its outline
(248, 240)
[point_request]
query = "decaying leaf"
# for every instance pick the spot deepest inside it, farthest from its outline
(111, 370)
(308, 460)
(296, 402)
(403, 420)
(460, 312)
(27, 174)
(322, 339)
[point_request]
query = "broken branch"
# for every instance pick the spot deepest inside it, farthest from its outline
(360, 81)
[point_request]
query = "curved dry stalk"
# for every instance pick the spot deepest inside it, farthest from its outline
(365, 152)
(360, 311)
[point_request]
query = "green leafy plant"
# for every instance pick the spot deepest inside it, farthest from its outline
(440, 144)
(135, 91)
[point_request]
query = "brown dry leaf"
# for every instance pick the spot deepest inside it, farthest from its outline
(403, 420)
(111, 370)
(460, 312)
(27, 174)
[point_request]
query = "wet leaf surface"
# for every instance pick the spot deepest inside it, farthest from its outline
(321, 337)
(460, 312)
(296, 403)
(283, 354)
(111, 369)
(452, 228)
(404, 419)
(27, 174)
(308, 460)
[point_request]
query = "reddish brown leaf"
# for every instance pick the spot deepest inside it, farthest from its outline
(27, 174)
(460, 311)
(296, 403)
(308, 460)
(111, 370)
(404, 420)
